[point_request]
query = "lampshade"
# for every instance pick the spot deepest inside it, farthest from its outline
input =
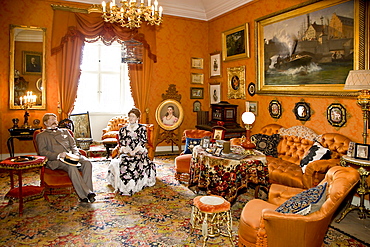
(358, 79)
(248, 117)
(132, 52)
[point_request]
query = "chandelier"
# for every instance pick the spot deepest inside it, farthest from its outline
(132, 14)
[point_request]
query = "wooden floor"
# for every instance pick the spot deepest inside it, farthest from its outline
(354, 226)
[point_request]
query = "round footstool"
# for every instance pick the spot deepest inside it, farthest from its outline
(212, 215)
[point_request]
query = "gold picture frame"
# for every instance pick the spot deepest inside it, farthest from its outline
(197, 78)
(196, 63)
(236, 82)
(308, 79)
(161, 111)
(235, 43)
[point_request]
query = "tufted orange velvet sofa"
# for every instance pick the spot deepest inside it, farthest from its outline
(293, 145)
(261, 225)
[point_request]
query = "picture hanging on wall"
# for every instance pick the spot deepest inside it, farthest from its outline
(302, 111)
(215, 92)
(275, 109)
(236, 82)
(215, 64)
(336, 115)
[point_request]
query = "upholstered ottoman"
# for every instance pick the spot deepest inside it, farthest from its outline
(182, 165)
(212, 215)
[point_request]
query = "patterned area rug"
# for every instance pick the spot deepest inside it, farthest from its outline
(156, 216)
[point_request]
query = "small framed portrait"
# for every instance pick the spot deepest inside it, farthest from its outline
(196, 93)
(205, 142)
(252, 106)
(196, 63)
(218, 133)
(218, 151)
(215, 92)
(32, 62)
(235, 43)
(215, 64)
(336, 115)
(351, 149)
(275, 109)
(251, 89)
(362, 151)
(197, 106)
(169, 114)
(236, 82)
(196, 78)
(302, 111)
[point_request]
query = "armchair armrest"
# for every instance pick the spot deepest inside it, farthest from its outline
(316, 170)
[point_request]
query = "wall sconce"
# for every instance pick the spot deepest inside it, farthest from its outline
(248, 119)
(360, 79)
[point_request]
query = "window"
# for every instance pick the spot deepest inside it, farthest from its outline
(104, 84)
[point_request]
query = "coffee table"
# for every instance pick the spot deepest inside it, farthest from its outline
(226, 177)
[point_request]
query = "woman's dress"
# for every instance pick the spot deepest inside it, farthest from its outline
(130, 174)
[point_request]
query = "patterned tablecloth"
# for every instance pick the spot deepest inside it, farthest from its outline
(225, 177)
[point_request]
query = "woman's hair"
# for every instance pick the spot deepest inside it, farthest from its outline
(135, 111)
(173, 110)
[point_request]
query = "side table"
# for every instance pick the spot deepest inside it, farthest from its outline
(23, 193)
(363, 167)
(20, 134)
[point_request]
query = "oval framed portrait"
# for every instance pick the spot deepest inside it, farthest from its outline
(275, 109)
(169, 114)
(302, 111)
(251, 89)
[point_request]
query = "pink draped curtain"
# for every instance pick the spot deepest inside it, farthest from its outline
(70, 30)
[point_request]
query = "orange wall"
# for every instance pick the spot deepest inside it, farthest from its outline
(178, 39)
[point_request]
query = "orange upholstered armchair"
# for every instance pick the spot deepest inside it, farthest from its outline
(182, 162)
(261, 225)
(55, 181)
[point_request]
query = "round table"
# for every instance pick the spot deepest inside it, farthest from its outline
(20, 164)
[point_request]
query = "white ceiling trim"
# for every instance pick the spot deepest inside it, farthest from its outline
(195, 9)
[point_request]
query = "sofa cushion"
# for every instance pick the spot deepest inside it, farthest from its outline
(316, 152)
(190, 144)
(306, 202)
(266, 144)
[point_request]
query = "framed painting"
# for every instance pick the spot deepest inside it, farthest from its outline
(169, 114)
(81, 125)
(32, 62)
(196, 93)
(275, 109)
(235, 43)
(252, 106)
(215, 64)
(215, 92)
(310, 48)
(302, 111)
(197, 78)
(336, 115)
(197, 106)
(362, 151)
(196, 63)
(236, 82)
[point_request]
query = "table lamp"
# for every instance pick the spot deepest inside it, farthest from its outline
(360, 80)
(248, 119)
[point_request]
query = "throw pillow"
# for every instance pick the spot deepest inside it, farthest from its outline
(266, 144)
(306, 202)
(316, 152)
(190, 144)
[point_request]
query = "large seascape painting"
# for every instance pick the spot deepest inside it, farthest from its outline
(309, 49)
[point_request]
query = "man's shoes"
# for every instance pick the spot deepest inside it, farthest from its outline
(91, 197)
(84, 200)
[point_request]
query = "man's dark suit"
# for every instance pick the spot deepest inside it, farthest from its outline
(53, 142)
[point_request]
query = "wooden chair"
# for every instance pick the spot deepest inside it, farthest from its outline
(56, 182)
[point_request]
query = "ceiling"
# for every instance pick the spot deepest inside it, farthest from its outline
(195, 9)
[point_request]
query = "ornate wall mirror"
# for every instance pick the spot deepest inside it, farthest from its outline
(27, 65)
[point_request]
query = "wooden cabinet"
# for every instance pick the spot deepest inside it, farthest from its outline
(228, 114)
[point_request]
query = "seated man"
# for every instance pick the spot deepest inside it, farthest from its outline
(55, 143)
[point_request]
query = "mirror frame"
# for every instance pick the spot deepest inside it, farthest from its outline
(12, 104)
